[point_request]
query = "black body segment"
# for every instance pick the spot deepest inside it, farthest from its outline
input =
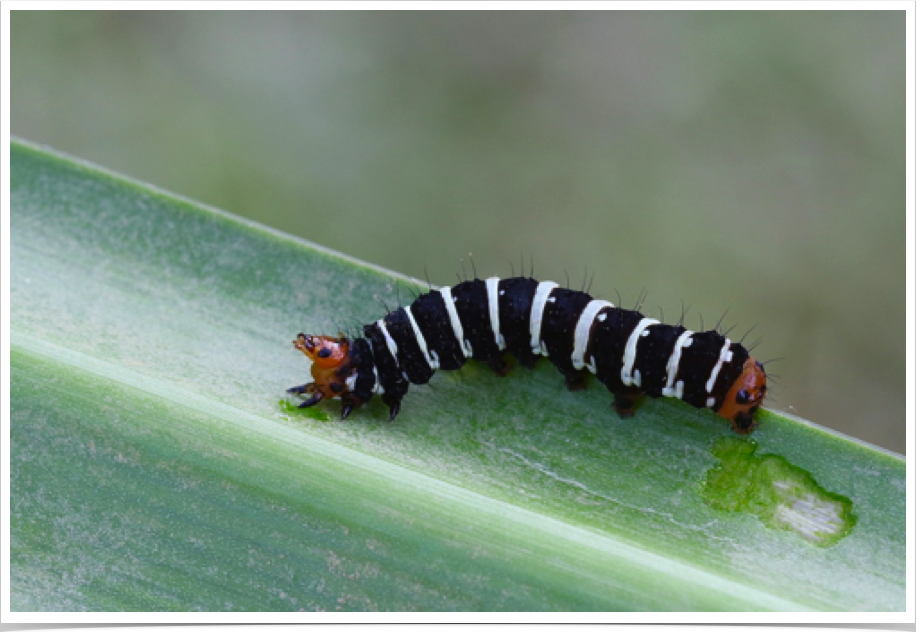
(515, 298)
(558, 329)
(697, 362)
(365, 373)
(608, 343)
(410, 357)
(433, 320)
(390, 376)
(472, 306)
(652, 356)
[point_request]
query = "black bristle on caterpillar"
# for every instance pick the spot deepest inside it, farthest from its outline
(485, 319)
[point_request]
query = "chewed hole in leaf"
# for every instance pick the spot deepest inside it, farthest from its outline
(783, 496)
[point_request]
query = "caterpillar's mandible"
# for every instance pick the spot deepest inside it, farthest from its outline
(484, 319)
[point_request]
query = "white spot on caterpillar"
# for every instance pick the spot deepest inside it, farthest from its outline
(677, 391)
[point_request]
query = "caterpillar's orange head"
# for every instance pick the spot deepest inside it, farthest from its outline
(329, 358)
(324, 351)
(745, 397)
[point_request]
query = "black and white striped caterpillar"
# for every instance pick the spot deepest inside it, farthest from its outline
(483, 320)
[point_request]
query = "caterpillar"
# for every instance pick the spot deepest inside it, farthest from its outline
(484, 319)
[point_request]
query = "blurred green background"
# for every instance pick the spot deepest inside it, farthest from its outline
(749, 161)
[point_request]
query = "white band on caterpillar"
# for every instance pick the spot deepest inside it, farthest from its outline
(627, 375)
(493, 304)
(537, 315)
(458, 330)
(421, 341)
(583, 329)
(683, 341)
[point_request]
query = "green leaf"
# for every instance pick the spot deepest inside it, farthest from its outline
(156, 463)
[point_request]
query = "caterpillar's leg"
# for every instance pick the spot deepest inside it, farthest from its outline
(349, 403)
(499, 366)
(526, 358)
(394, 405)
(312, 389)
(625, 400)
(576, 381)
(311, 401)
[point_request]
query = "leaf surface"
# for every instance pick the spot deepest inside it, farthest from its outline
(157, 464)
